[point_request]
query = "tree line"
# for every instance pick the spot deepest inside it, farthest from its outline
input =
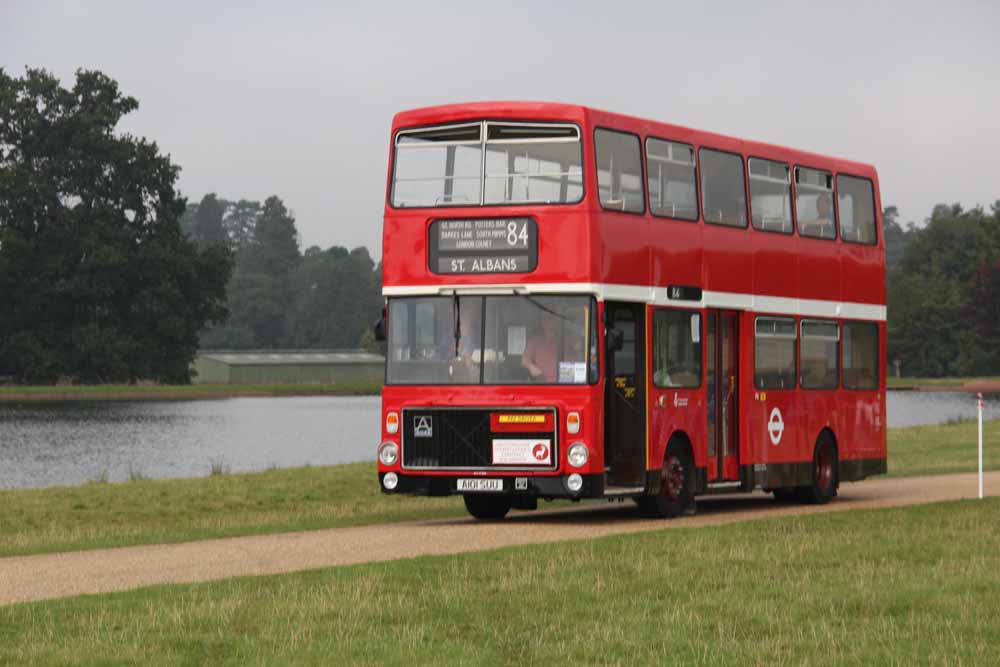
(107, 274)
(97, 282)
(943, 292)
(279, 297)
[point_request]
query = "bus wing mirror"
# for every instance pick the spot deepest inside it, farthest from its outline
(379, 327)
(615, 340)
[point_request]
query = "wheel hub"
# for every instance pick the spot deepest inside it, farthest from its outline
(673, 478)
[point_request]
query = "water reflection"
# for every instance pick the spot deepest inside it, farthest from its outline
(70, 443)
(74, 442)
(915, 408)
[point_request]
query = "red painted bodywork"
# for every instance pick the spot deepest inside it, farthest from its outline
(586, 244)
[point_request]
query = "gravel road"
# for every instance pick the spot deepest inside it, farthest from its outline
(106, 570)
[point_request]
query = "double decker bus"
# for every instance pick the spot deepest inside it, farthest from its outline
(582, 304)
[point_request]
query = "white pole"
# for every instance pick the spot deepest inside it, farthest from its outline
(980, 401)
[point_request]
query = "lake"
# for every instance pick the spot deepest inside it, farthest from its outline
(45, 444)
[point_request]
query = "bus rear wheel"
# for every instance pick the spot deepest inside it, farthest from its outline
(676, 496)
(823, 483)
(487, 507)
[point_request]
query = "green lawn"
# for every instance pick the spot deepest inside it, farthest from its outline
(117, 392)
(895, 383)
(903, 586)
(149, 511)
(944, 448)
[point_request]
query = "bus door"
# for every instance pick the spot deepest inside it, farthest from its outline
(625, 397)
(721, 369)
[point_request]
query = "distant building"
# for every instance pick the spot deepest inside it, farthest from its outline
(288, 366)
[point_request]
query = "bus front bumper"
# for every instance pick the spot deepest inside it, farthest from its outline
(549, 486)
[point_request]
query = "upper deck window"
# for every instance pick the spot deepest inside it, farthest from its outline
(619, 171)
(537, 164)
(487, 163)
(770, 196)
(814, 203)
(723, 198)
(672, 192)
(857, 209)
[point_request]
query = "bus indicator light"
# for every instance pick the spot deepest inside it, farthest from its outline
(573, 423)
(392, 423)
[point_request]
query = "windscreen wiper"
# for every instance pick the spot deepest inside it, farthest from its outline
(458, 323)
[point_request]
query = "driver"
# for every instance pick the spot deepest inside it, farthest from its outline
(541, 353)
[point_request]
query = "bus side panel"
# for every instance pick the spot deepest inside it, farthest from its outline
(676, 252)
(625, 250)
(773, 422)
(727, 266)
(675, 410)
(775, 262)
(819, 270)
(820, 410)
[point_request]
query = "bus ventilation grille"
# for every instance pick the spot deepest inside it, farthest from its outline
(452, 438)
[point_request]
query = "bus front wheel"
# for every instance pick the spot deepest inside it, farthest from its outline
(487, 507)
(676, 483)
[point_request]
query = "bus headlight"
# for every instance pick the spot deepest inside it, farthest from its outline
(390, 481)
(574, 483)
(388, 453)
(578, 455)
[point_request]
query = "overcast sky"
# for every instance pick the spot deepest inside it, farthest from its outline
(296, 98)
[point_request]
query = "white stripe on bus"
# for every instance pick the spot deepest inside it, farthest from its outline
(658, 296)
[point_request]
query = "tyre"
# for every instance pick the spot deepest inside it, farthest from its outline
(487, 507)
(676, 494)
(823, 483)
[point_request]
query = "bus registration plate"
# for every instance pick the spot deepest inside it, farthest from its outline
(480, 484)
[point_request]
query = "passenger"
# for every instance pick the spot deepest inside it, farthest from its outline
(822, 225)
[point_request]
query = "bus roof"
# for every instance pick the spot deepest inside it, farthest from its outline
(522, 110)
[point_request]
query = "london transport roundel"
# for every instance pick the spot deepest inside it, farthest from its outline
(775, 426)
(540, 452)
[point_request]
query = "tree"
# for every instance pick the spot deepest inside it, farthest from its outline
(337, 297)
(208, 220)
(943, 295)
(896, 238)
(241, 221)
(97, 281)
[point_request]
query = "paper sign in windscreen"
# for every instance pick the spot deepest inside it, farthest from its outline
(516, 339)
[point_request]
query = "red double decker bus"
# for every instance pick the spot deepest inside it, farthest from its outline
(581, 304)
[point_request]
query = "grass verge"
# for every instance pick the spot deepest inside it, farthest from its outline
(940, 383)
(910, 585)
(942, 448)
(179, 392)
(147, 511)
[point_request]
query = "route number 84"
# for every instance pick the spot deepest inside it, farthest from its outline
(515, 237)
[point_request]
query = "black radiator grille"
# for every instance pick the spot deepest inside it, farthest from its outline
(458, 438)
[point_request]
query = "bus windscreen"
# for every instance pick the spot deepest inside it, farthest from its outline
(492, 340)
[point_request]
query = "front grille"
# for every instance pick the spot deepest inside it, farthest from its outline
(459, 438)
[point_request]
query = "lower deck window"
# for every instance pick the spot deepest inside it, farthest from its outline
(819, 353)
(860, 355)
(774, 353)
(676, 349)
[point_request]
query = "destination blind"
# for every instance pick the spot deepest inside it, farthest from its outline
(483, 245)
